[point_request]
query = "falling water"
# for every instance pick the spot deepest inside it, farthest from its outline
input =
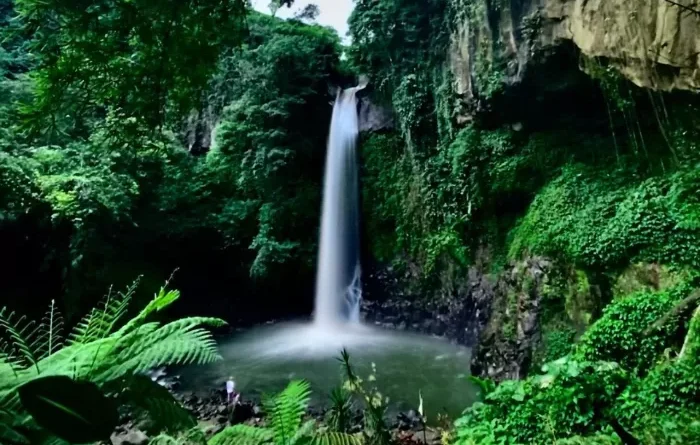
(338, 289)
(266, 358)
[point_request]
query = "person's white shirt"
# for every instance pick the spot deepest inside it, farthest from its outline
(230, 386)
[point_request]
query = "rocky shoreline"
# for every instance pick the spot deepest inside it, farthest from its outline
(213, 414)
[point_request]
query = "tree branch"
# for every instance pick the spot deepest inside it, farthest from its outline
(681, 308)
(687, 8)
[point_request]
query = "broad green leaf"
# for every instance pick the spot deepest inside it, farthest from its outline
(75, 411)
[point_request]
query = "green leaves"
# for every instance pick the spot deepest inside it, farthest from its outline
(286, 411)
(243, 435)
(75, 411)
(569, 399)
(142, 55)
(606, 218)
(621, 333)
(157, 404)
(284, 414)
(62, 389)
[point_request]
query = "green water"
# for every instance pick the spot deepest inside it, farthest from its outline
(264, 359)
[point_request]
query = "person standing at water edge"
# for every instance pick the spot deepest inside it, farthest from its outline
(230, 391)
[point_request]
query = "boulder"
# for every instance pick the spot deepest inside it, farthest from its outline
(133, 437)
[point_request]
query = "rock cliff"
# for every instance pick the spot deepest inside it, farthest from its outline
(654, 43)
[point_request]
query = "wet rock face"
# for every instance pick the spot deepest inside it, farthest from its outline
(653, 43)
(460, 317)
(499, 317)
(374, 117)
(505, 348)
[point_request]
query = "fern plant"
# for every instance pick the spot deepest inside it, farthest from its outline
(285, 413)
(104, 350)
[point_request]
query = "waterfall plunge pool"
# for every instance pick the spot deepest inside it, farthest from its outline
(264, 359)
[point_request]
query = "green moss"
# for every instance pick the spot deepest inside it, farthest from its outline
(647, 277)
(510, 319)
(624, 333)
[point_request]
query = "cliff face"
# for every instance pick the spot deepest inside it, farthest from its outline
(654, 43)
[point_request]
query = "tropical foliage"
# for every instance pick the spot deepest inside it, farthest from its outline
(647, 389)
(137, 136)
(116, 135)
(104, 349)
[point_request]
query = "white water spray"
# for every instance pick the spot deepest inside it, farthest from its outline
(338, 286)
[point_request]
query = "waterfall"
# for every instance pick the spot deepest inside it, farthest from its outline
(338, 285)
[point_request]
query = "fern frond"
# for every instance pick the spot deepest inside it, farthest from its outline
(285, 411)
(83, 361)
(303, 434)
(178, 343)
(50, 338)
(21, 334)
(337, 439)
(100, 321)
(158, 403)
(242, 435)
(9, 364)
(161, 301)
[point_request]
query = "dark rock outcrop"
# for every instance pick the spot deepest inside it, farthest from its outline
(374, 117)
(505, 348)
(460, 317)
(499, 316)
(495, 44)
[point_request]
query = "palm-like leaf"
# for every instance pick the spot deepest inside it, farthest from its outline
(97, 353)
(340, 412)
(19, 347)
(337, 439)
(50, 338)
(161, 301)
(285, 411)
(179, 342)
(100, 322)
(242, 435)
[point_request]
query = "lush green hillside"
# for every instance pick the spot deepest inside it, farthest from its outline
(97, 182)
(586, 169)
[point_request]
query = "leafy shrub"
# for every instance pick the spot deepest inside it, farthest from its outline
(104, 350)
(603, 219)
(376, 430)
(624, 333)
(340, 413)
(670, 390)
(18, 189)
(557, 343)
(570, 399)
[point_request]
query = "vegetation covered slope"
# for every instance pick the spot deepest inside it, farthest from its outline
(568, 161)
(96, 180)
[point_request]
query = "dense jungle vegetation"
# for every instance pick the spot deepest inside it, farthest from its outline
(137, 138)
